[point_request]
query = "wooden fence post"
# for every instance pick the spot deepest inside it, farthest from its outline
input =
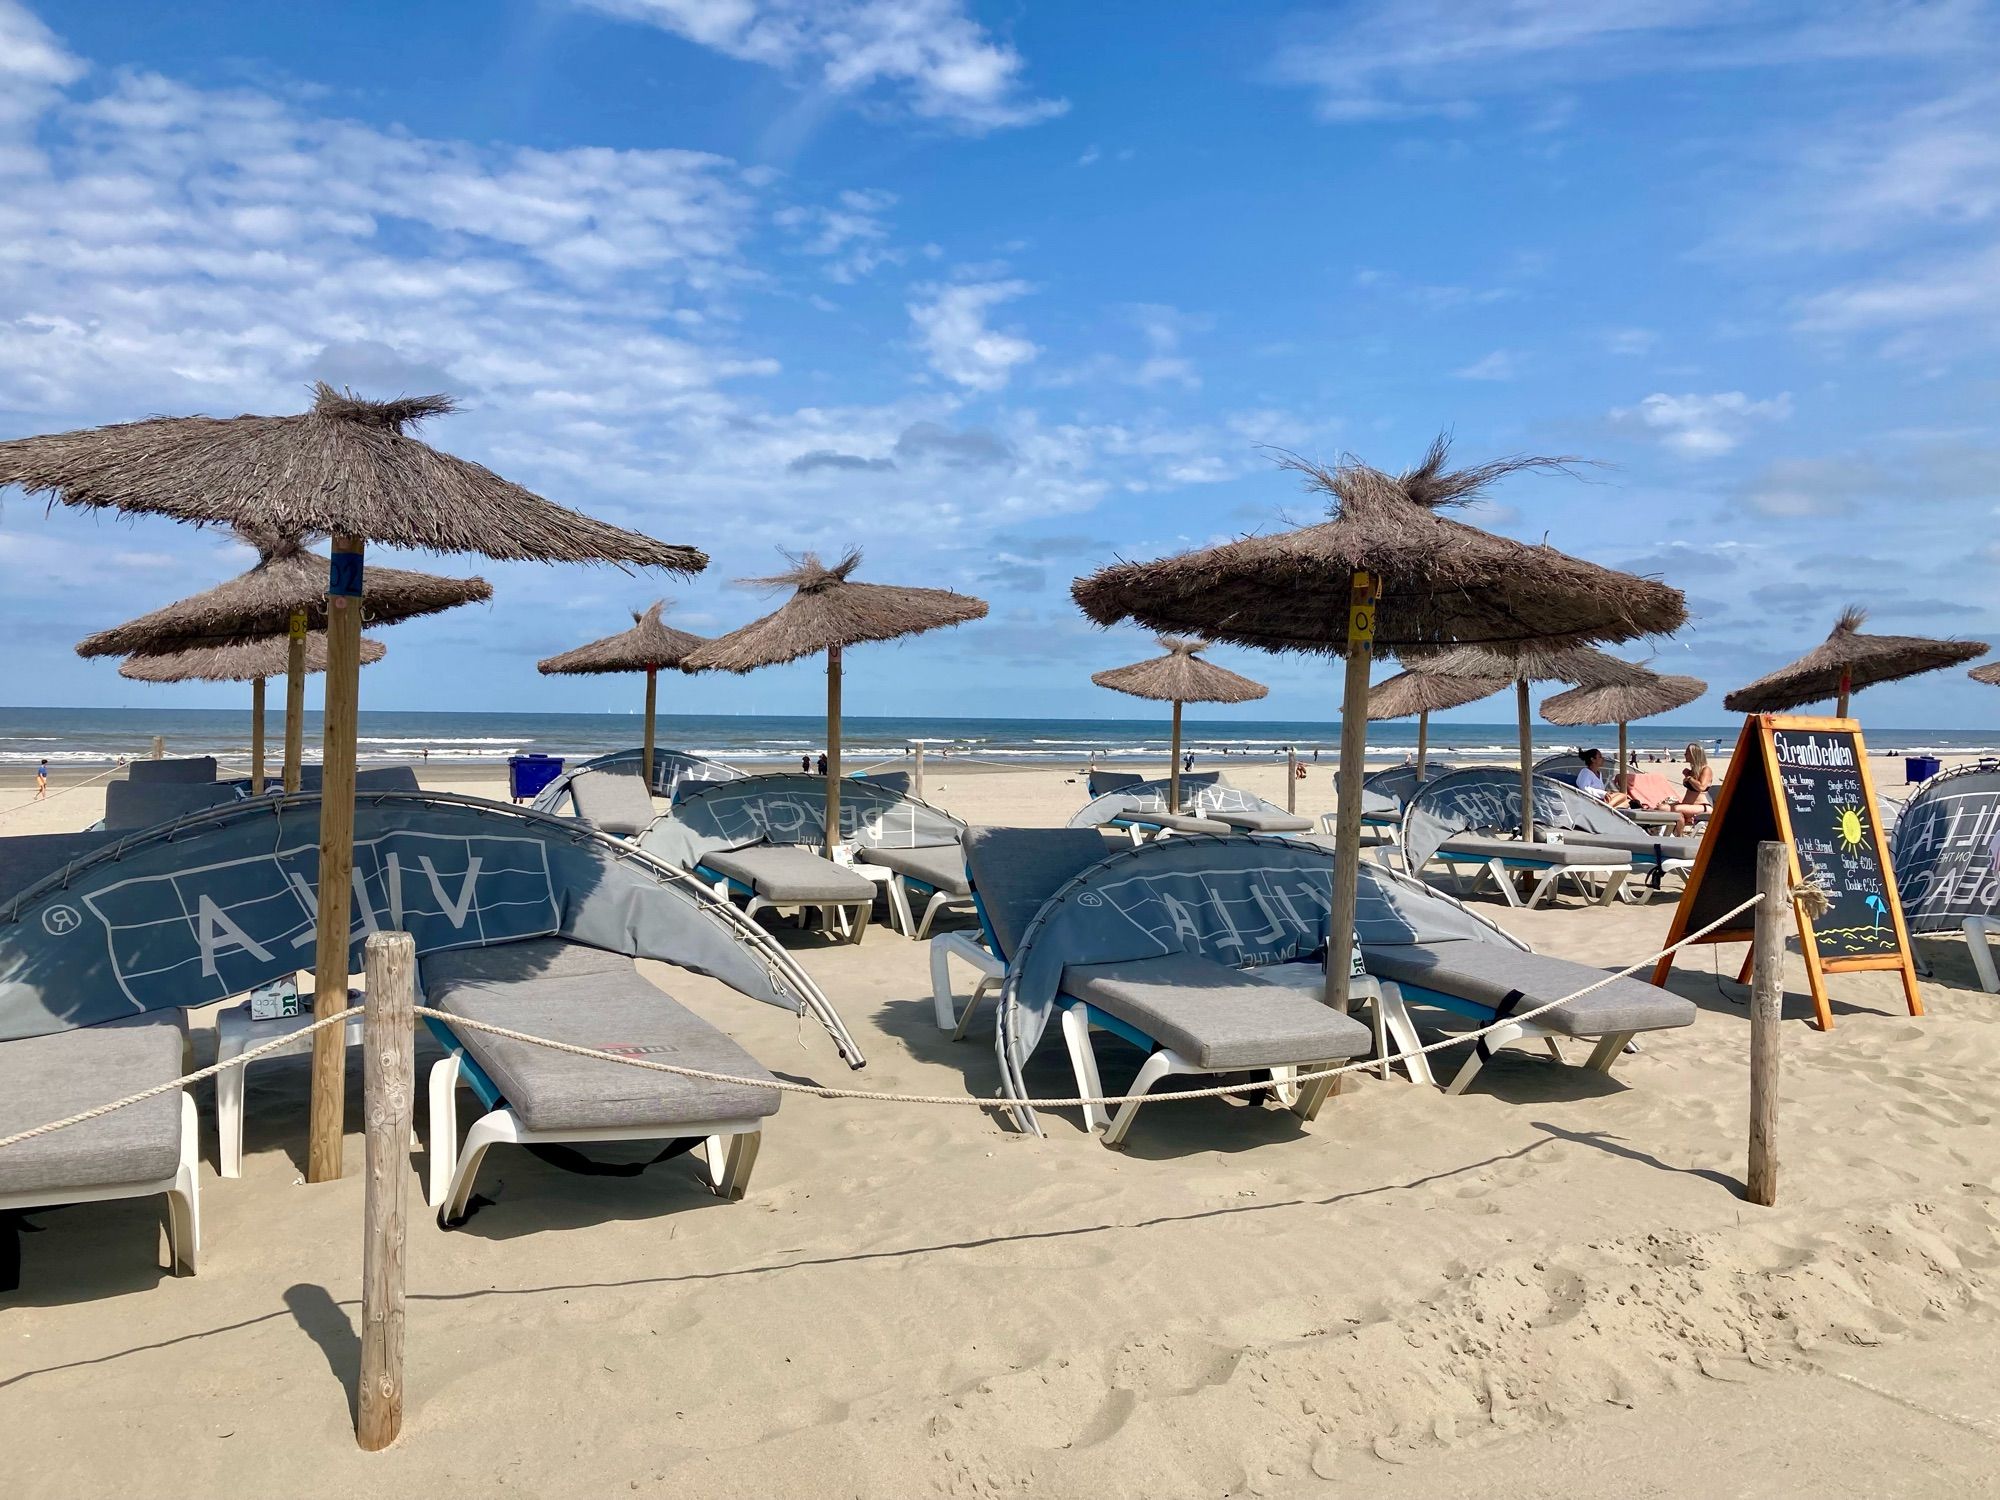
(1291, 779)
(388, 1048)
(1767, 994)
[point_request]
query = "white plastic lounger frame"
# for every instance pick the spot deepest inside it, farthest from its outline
(182, 1190)
(917, 929)
(1614, 876)
(967, 947)
(848, 918)
(1079, 1020)
(730, 1146)
(235, 1034)
(1977, 931)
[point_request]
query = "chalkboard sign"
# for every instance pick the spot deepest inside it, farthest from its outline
(1805, 783)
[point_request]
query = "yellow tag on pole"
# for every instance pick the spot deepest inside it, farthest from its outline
(296, 627)
(1361, 598)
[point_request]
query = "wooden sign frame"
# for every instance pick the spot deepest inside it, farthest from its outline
(1756, 755)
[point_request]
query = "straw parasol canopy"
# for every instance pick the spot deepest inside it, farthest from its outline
(1387, 568)
(1181, 676)
(647, 647)
(241, 661)
(1622, 704)
(1423, 692)
(1845, 662)
(261, 602)
(1989, 674)
(829, 612)
(348, 469)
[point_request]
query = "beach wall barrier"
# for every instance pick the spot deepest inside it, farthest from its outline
(389, 1041)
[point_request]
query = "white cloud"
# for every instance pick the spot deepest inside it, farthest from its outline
(849, 233)
(1697, 426)
(951, 325)
(941, 62)
(1501, 364)
(1933, 290)
(1403, 59)
(1630, 340)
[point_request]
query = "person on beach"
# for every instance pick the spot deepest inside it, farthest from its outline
(1590, 781)
(822, 764)
(1697, 784)
(806, 764)
(42, 779)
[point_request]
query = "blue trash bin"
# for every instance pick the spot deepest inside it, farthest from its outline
(1920, 767)
(528, 774)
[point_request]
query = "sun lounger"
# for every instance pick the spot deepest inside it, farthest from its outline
(534, 1096)
(934, 871)
(136, 1152)
(1188, 1013)
(1490, 981)
(1550, 862)
(615, 801)
(789, 877)
(1654, 855)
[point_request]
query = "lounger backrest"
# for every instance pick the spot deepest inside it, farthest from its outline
(386, 779)
(142, 804)
(615, 801)
(29, 858)
(192, 768)
(1014, 870)
(1101, 782)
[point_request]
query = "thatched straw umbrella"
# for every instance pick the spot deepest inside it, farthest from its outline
(1844, 663)
(1988, 674)
(647, 647)
(284, 594)
(1623, 704)
(347, 469)
(1526, 663)
(1422, 692)
(1387, 568)
(245, 661)
(829, 612)
(1181, 676)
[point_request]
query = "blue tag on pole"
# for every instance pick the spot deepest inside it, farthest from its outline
(343, 579)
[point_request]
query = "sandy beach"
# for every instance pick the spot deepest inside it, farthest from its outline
(1549, 1285)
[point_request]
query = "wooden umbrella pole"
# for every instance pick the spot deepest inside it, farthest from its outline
(1423, 741)
(1527, 760)
(832, 749)
(920, 771)
(295, 697)
(1347, 810)
(1846, 692)
(652, 700)
(1174, 764)
(257, 738)
(1624, 761)
(336, 857)
(1291, 779)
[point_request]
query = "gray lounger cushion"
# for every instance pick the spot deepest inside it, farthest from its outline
(575, 996)
(1252, 821)
(44, 1078)
(786, 872)
(1648, 847)
(1480, 847)
(941, 866)
(1217, 1017)
(1178, 822)
(1016, 869)
(1491, 973)
(616, 802)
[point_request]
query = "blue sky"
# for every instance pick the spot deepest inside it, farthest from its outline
(999, 292)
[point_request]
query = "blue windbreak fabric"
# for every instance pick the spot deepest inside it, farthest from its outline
(1562, 766)
(1241, 902)
(671, 770)
(1945, 848)
(1487, 799)
(1138, 798)
(790, 808)
(221, 901)
(1388, 790)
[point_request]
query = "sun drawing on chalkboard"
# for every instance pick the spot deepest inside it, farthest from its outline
(1851, 830)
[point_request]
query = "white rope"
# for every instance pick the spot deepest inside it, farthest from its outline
(819, 1091)
(61, 791)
